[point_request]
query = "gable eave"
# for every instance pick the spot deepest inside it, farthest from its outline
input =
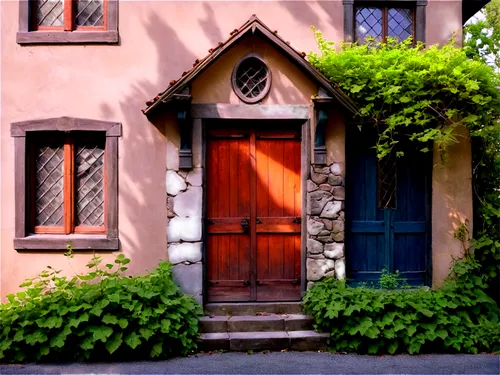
(253, 26)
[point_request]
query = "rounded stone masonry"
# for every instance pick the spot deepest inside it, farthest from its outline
(184, 252)
(190, 279)
(325, 223)
(189, 202)
(175, 183)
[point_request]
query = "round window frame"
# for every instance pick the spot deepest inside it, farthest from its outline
(234, 78)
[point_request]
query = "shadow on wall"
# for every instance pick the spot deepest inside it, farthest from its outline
(142, 191)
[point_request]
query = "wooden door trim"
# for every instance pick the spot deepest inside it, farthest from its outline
(304, 166)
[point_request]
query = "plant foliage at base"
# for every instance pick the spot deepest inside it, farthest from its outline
(459, 318)
(102, 315)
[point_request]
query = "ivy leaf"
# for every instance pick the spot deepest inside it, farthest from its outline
(109, 319)
(133, 340)
(123, 323)
(114, 342)
(146, 333)
(102, 333)
(156, 350)
(393, 346)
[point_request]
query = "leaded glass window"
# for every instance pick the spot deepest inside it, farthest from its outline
(67, 176)
(69, 15)
(381, 22)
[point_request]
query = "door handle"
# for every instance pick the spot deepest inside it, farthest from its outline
(244, 225)
(258, 221)
(259, 282)
(246, 282)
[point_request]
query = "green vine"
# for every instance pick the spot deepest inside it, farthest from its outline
(426, 97)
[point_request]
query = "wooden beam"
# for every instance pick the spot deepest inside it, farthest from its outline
(250, 112)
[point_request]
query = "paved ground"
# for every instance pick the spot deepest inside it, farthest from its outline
(280, 363)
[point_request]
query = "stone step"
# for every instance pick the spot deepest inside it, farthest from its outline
(253, 308)
(256, 323)
(277, 340)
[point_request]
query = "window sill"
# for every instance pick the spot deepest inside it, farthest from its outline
(58, 242)
(66, 37)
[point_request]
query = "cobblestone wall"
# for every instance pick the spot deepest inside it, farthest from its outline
(325, 223)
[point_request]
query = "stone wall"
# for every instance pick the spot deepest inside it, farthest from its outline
(325, 223)
(184, 228)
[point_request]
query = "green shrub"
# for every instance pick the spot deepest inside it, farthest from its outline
(456, 318)
(102, 315)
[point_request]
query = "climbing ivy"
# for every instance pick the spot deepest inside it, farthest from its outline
(419, 96)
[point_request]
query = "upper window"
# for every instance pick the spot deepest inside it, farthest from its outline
(381, 22)
(66, 184)
(68, 21)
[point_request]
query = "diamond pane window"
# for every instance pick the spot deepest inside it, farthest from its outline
(67, 178)
(49, 12)
(49, 169)
(400, 23)
(89, 182)
(90, 13)
(368, 23)
(381, 22)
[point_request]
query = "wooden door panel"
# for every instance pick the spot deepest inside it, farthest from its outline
(228, 207)
(277, 227)
(278, 267)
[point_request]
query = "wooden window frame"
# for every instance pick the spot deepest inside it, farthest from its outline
(24, 238)
(30, 33)
(419, 20)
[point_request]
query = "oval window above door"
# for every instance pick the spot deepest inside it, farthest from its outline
(251, 78)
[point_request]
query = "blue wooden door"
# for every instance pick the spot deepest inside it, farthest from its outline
(391, 233)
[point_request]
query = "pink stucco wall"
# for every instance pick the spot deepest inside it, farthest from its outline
(158, 41)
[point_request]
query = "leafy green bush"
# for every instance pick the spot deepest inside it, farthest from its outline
(366, 320)
(102, 315)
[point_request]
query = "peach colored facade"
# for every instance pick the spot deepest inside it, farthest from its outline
(158, 41)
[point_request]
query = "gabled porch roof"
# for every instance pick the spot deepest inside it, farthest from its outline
(255, 26)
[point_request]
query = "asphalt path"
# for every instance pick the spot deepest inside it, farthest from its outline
(279, 363)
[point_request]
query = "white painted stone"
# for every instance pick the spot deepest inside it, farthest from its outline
(184, 228)
(175, 183)
(184, 252)
(340, 268)
(330, 264)
(314, 227)
(331, 210)
(334, 250)
(314, 247)
(336, 169)
(189, 203)
(172, 157)
(195, 177)
(189, 278)
(316, 269)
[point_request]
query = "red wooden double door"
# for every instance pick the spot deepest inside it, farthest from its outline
(253, 213)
